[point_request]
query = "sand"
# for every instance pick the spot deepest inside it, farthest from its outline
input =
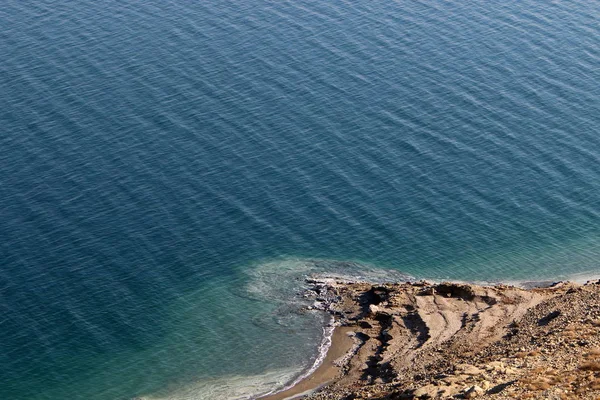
(341, 343)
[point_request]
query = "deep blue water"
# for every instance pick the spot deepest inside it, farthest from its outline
(170, 170)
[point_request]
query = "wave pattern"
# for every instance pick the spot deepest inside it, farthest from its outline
(152, 153)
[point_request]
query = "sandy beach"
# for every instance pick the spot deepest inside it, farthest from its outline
(456, 340)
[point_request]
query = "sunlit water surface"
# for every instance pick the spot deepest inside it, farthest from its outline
(171, 170)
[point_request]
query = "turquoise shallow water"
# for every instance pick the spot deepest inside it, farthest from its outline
(171, 170)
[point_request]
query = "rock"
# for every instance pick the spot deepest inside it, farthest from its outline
(428, 291)
(511, 371)
(473, 392)
(471, 363)
(454, 379)
(317, 305)
(469, 369)
(495, 366)
(428, 391)
(448, 391)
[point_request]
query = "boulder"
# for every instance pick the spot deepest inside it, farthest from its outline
(473, 392)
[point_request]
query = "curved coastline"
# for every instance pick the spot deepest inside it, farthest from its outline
(323, 350)
(394, 325)
(323, 371)
(326, 344)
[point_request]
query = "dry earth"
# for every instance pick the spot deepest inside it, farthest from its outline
(430, 341)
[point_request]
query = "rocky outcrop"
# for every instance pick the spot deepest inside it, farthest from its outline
(427, 341)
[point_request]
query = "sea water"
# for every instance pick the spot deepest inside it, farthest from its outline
(172, 170)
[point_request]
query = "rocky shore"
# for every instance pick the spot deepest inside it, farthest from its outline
(452, 340)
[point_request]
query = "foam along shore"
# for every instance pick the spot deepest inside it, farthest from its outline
(456, 340)
(341, 343)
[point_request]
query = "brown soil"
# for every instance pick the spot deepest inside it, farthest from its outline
(450, 340)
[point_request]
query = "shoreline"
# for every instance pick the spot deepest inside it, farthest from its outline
(341, 344)
(438, 340)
